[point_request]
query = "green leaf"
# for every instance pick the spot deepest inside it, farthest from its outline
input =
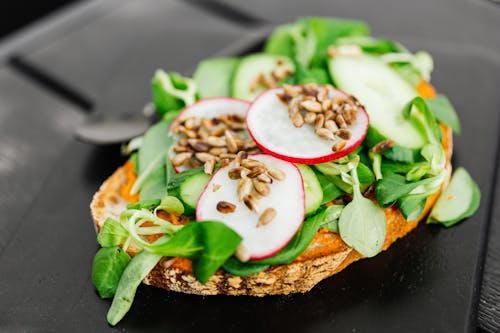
(172, 92)
(444, 111)
(147, 204)
(132, 276)
(329, 217)
(412, 206)
(112, 233)
(238, 268)
(154, 185)
(280, 42)
(362, 223)
(330, 190)
(107, 268)
(303, 75)
(208, 244)
(153, 153)
(393, 186)
(171, 204)
(424, 118)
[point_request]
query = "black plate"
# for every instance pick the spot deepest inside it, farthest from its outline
(427, 281)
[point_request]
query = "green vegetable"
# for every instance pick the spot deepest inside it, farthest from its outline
(281, 42)
(393, 186)
(134, 273)
(459, 200)
(421, 62)
(107, 268)
(330, 190)
(171, 204)
(191, 189)
(412, 205)
(147, 204)
(112, 233)
(370, 44)
(312, 188)
(238, 268)
(154, 185)
(362, 223)
(152, 154)
(208, 244)
(329, 217)
(213, 76)
(444, 111)
(172, 92)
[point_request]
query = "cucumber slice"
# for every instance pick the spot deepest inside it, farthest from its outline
(383, 93)
(213, 76)
(190, 190)
(459, 200)
(248, 69)
(312, 188)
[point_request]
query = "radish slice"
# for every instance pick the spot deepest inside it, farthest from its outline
(272, 130)
(209, 108)
(285, 196)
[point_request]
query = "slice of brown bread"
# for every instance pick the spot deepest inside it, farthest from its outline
(326, 255)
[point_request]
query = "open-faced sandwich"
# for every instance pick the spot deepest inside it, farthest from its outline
(271, 172)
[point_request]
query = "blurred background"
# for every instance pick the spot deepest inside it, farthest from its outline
(18, 14)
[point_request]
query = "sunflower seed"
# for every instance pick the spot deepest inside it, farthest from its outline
(204, 157)
(244, 188)
(331, 126)
(251, 163)
(209, 166)
(325, 134)
(339, 145)
(240, 157)
(251, 202)
(310, 117)
(267, 216)
(238, 173)
(297, 120)
(181, 159)
(343, 134)
(190, 123)
(231, 144)
(311, 106)
(319, 122)
(206, 124)
(199, 146)
(276, 174)
(217, 151)
(256, 171)
(216, 187)
(225, 207)
(180, 149)
(219, 131)
(265, 179)
(216, 141)
(261, 188)
(224, 162)
(340, 121)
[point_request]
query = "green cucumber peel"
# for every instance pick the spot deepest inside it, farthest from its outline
(312, 188)
(458, 201)
(107, 268)
(362, 223)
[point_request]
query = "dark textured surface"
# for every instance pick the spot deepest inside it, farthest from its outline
(425, 282)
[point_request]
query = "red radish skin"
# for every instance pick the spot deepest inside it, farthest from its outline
(208, 108)
(295, 223)
(326, 156)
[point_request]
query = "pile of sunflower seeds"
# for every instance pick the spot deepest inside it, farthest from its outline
(314, 105)
(210, 140)
(254, 180)
(269, 81)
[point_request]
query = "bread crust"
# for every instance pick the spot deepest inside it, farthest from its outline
(326, 255)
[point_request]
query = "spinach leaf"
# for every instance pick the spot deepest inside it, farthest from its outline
(154, 185)
(330, 190)
(238, 268)
(393, 186)
(280, 42)
(153, 152)
(107, 268)
(172, 92)
(112, 233)
(424, 119)
(365, 175)
(147, 204)
(208, 244)
(132, 276)
(303, 75)
(396, 153)
(444, 111)
(412, 205)
(362, 223)
(328, 217)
